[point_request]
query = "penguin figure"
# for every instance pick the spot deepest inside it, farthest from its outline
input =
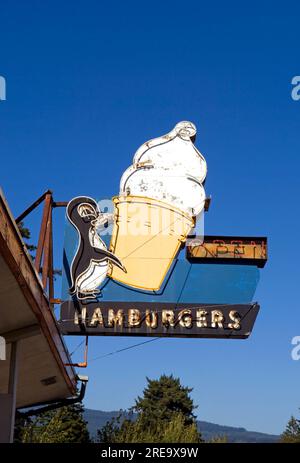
(92, 260)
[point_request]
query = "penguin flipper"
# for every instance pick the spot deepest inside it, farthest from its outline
(113, 259)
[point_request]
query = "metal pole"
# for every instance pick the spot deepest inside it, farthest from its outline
(40, 247)
(12, 384)
(47, 244)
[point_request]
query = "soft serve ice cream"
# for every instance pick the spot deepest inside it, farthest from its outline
(170, 169)
(161, 194)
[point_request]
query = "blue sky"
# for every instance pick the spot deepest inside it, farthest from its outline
(89, 82)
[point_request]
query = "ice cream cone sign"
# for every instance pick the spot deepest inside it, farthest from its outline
(139, 264)
(161, 195)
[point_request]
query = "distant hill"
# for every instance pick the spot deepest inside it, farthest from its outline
(96, 419)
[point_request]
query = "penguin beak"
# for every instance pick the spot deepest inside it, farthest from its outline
(120, 265)
(114, 260)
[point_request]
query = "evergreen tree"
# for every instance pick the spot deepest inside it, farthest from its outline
(163, 414)
(64, 425)
(109, 432)
(20, 425)
(292, 431)
(177, 431)
(173, 431)
(162, 399)
(26, 234)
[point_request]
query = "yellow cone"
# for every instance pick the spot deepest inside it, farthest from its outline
(147, 236)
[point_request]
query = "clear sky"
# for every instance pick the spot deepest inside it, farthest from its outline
(87, 83)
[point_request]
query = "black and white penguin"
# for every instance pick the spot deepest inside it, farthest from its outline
(92, 260)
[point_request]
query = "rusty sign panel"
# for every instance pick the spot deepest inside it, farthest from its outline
(229, 249)
(152, 319)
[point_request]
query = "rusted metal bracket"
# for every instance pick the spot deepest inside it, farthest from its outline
(83, 364)
(60, 203)
(44, 253)
(55, 301)
(33, 206)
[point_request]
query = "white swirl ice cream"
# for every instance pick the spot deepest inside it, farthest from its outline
(170, 169)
